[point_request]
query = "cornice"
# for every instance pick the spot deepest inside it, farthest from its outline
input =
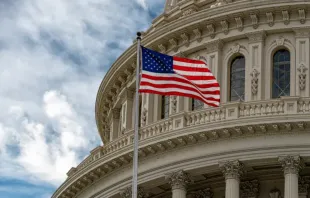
(178, 40)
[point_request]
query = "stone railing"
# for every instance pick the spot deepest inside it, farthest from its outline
(229, 111)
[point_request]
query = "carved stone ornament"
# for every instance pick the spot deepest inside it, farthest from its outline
(144, 117)
(206, 193)
(249, 189)
(275, 193)
(270, 19)
(218, 3)
(174, 102)
(224, 25)
(254, 20)
(127, 193)
(162, 48)
(302, 16)
(302, 76)
(198, 34)
(232, 169)
(291, 164)
(211, 29)
(280, 41)
(303, 184)
(236, 48)
(185, 38)
(178, 179)
(174, 44)
(286, 17)
(239, 22)
(254, 81)
(189, 12)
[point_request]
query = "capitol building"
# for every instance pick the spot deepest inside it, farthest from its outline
(256, 144)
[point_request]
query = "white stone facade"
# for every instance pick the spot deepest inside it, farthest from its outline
(258, 146)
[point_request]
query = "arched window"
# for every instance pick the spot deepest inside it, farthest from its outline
(237, 79)
(197, 104)
(281, 74)
(165, 104)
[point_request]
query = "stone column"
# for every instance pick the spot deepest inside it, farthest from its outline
(302, 62)
(127, 193)
(214, 60)
(232, 171)
(291, 166)
(178, 181)
(255, 89)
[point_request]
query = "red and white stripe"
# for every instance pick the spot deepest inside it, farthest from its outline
(191, 79)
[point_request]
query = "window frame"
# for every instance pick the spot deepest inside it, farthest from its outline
(234, 58)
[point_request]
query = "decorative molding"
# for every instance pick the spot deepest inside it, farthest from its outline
(302, 16)
(286, 17)
(249, 189)
(302, 76)
(185, 39)
(270, 18)
(127, 193)
(214, 46)
(239, 22)
(174, 44)
(291, 164)
(189, 11)
(254, 81)
(224, 24)
(254, 20)
(198, 34)
(218, 3)
(232, 169)
(173, 102)
(144, 117)
(178, 179)
(211, 30)
(302, 32)
(162, 48)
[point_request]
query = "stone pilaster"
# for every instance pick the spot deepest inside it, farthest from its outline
(302, 61)
(126, 110)
(127, 193)
(232, 170)
(147, 114)
(291, 166)
(255, 89)
(178, 181)
(114, 123)
(249, 189)
(214, 54)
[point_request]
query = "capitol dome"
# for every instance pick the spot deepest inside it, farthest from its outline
(255, 145)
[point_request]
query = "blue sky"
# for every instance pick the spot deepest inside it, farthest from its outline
(53, 56)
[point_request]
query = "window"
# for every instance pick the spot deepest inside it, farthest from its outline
(197, 104)
(165, 104)
(237, 79)
(281, 74)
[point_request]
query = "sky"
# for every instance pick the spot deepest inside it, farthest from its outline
(53, 56)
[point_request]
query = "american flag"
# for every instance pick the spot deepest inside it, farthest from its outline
(170, 75)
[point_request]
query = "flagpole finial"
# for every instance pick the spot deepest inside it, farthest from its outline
(139, 35)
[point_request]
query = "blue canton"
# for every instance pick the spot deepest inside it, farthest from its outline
(156, 62)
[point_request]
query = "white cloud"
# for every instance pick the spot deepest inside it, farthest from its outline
(53, 56)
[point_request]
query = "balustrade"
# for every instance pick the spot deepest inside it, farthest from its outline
(230, 111)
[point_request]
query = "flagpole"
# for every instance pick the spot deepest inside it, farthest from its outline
(136, 135)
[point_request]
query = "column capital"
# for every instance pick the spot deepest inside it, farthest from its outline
(214, 46)
(178, 179)
(232, 169)
(249, 188)
(127, 192)
(291, 164)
